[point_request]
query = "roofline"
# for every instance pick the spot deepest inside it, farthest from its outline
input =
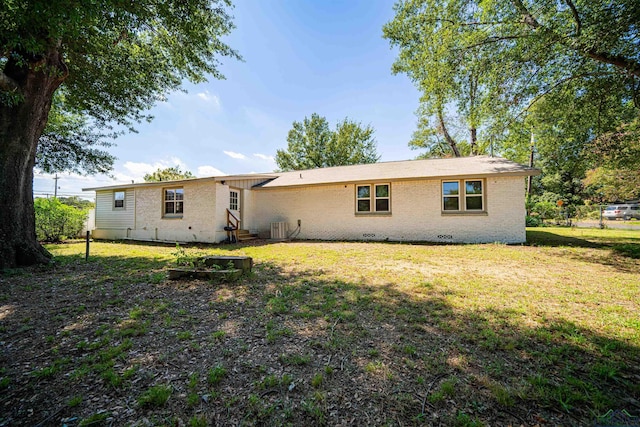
(527, 171)
(183, 181)
(530, 172)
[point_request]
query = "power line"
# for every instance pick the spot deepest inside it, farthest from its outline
(81, 196)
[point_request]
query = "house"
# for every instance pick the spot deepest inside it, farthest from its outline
(468, 200)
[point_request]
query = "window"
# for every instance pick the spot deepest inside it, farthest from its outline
(233, 200)
(372, 198)
(118, 200)
(173, 202)
(463, 195)
(364, 198)
(451, 195)
(473, 195)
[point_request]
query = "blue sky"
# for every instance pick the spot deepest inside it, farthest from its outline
(300, 57)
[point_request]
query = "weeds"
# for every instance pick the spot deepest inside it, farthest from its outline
(294, 359)
(216, 374)
(155, 396)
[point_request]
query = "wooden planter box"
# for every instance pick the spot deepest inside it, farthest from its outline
(218, 275)
(243, 263)
(240, 265)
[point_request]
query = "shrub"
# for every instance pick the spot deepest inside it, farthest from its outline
(546, 210)
(588, 212)
(56, 221)
(533, 221)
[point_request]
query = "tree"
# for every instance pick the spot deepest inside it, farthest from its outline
(433, 55)
(69, 143)
(77, 202)
(605, 185)
(493, 60)
(436, 137)
(168, 174)
(617, 154)
(312, 144)
(112, 60)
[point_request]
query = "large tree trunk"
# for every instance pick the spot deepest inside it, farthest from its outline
(34, 80)
(443, 128)
(474, 141)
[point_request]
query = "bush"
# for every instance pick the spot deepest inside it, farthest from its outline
(56, 221)
(546, 210)
(533, 221)
(588, 212)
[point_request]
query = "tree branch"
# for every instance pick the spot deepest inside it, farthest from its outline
(490, 40)
(576, 16)
(628, 64)
(447, 137)
(558, 84)
(466, 24)
(528, 18)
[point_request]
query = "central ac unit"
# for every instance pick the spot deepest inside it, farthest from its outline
(279, 230)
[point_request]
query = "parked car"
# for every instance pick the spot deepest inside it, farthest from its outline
(626, 211)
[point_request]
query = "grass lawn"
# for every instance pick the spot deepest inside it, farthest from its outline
(326, 333)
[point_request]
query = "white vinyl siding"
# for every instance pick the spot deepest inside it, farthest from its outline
(109, 218)
(245, 184)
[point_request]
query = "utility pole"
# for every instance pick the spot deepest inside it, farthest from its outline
(55, 190)
(530, 180)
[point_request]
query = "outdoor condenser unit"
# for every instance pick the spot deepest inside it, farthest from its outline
(279, 230)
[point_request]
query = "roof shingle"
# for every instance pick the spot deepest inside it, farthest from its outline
(477, 166)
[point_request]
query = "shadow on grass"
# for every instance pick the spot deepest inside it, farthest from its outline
(300, 348)
(501, 366)
(627, 249)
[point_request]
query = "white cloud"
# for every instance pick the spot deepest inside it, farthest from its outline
(235, 155)
(135, 171)
(182, 101)
(140, 168)
(264, 157)
(206, 96)
(209, 171)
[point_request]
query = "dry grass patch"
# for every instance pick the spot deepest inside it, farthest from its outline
(329, 333)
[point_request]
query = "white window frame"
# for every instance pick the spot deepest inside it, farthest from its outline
(450, 196)
(174, 201)
(116, 199)
(373, 199)
(233, 201)
(474, 195)
(463, 196)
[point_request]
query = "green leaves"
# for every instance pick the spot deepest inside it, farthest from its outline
(56, 221)
(121, 56)
(312, 144)
(567, 71)
(168, 174)
(71, 143)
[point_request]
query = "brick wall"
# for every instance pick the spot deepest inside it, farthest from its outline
(198, 223)
(328, 212)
